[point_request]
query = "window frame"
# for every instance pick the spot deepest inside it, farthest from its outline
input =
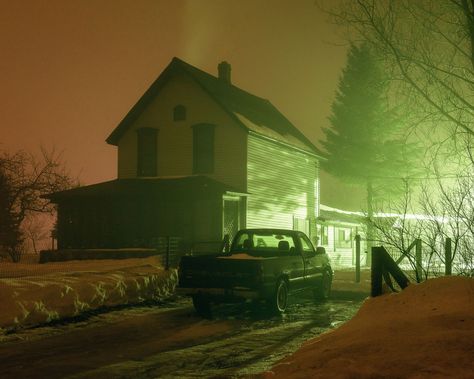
(203, 155)
(324, 235)
(147, 161)
(346, 243)
(305, 240)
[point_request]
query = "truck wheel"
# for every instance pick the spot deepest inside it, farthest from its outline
(323, 290)
(280, 298)
(202, 305)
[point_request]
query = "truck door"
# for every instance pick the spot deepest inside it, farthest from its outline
(292, 261)
(312, 261)
(297, 268)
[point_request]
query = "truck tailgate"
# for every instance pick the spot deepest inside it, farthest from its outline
(220, 272)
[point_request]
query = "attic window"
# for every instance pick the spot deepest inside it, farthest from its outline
(179, 113)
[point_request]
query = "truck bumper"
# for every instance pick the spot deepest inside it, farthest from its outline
(221, 293)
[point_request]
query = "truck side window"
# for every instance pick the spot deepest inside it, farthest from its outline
(243, 238)
(306, 244)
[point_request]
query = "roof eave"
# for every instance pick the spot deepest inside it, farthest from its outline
(142, 103)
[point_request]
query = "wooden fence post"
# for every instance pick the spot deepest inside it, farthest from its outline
(393, 269)
(357, 239)
(418, 260)
(376, 272)
(448, 257)
(383, 263)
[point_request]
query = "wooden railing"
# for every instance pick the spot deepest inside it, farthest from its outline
(383, 265)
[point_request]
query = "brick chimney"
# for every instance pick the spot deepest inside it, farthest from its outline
(223, 69)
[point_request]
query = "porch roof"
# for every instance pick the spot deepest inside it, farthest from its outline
(185, 185)
(335, 217)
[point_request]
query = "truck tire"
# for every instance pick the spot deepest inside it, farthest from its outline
(279, 302)
(323, 290)
(202, 305)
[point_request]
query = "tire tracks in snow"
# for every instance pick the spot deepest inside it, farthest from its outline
(252, 349)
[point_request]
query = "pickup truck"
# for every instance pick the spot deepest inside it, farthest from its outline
(262, 264)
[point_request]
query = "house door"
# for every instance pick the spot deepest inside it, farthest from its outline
(231, 216)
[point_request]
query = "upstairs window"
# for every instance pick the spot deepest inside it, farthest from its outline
(146, 151)
(179, 113)
(203, 149)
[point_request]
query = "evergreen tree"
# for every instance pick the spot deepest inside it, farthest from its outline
(363, 144)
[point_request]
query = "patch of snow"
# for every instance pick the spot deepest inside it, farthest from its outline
(425, 331)
(65, 289)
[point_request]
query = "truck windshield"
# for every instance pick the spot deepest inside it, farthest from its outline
(260, 242)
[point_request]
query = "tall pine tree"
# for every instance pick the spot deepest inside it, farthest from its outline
(363, 144)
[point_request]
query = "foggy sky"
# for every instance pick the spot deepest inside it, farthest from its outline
(70, 70)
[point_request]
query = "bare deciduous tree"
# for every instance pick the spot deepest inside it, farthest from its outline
(447, 212)
(25, 178)
(428, 44)
(427, 49)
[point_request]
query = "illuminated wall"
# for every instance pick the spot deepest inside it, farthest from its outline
(282, 183)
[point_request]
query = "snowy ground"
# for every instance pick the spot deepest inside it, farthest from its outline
(425, 331)
(33, 294)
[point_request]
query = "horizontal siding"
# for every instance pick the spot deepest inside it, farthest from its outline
(342, 257)
(281, 184)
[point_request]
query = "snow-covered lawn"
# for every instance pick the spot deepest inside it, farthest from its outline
(33, 293)
(42, 293)
(425, 331)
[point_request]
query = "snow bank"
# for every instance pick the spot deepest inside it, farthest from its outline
(32, 300)
(427, 330)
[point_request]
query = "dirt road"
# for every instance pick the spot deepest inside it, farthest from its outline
(168, 341)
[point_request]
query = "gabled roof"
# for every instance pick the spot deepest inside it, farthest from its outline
(251, 112)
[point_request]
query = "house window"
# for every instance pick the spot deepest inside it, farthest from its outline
(179, 113)
(146, 151)
(343, 237)
(203, 149)
(324, 241)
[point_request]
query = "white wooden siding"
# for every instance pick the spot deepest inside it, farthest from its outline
(281, 184)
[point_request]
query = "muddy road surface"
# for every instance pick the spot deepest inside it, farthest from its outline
(169, 341)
